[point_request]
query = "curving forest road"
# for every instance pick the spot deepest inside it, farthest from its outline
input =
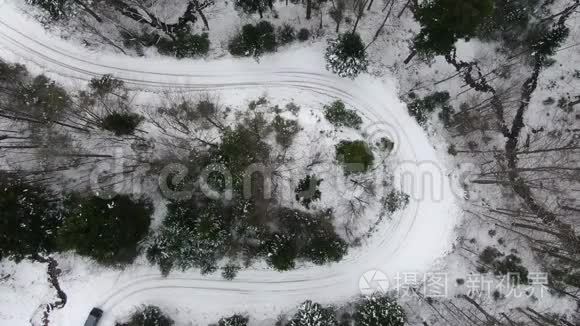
(410, 242)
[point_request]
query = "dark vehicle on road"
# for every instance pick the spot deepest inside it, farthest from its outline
(94, 317)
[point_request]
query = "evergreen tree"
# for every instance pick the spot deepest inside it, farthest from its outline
(379, 311)
(355, 156)
(108, 230)
(346, 55)
(56, 9)
(230, 271)
(148, 316)
(443, 22)
(337, 114)
(235, 320)
(253, 6)
(281, 251)
(29, 219)
(307, 190)
(194, 235)
(121, 123)
(313, 314)
(254, 40)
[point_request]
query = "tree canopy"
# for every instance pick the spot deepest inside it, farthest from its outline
(443, 22)
(108, 230)
(29, 219)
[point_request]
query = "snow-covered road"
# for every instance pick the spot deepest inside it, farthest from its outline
(411, 242)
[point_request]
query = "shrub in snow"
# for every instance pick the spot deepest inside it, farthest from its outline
(192, 236)
(421, 108)
(105, 85)
(303, 34)
(337, 114)
(230, 271)
(285, 130)
(346, 55)
(185, 45)
(307, 190)
(303, 235)
(510, 265)
(108, 230)
(148, 316)
(254, 40)
(395, 200)
(281, 251)
(235, 320)
(121, 123)
(313, 314)
(355, 156)
(29, 219)
(379, 311)
(56, 9)
(286, 34)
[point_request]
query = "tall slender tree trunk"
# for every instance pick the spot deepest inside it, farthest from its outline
(200, 12)
(411, 56)
(360, 8)
(89, 10)
(308, 9)
(404, 8)
(370, 4)
(378, 32)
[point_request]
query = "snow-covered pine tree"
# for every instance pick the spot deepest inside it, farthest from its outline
(56, 9)
(235, 320)
(346, 55)
(379, 311)
(313, 314)
(149, 316)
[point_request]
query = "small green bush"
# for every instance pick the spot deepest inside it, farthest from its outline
(303, 35)
(307, 190)
(355, 156)
(230, 271)
(185, 45)
(254, 40)
(395, 200)
(493, 259)
(234, 320)
(285, 130)
(422, 108)
(121, 124)
(105, 85)
(337, 114)
(286, 34)
(376, 310)
(148, 316)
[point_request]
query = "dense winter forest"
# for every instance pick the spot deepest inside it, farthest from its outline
(195, 145)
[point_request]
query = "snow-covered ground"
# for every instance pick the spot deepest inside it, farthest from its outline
(410, 242)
